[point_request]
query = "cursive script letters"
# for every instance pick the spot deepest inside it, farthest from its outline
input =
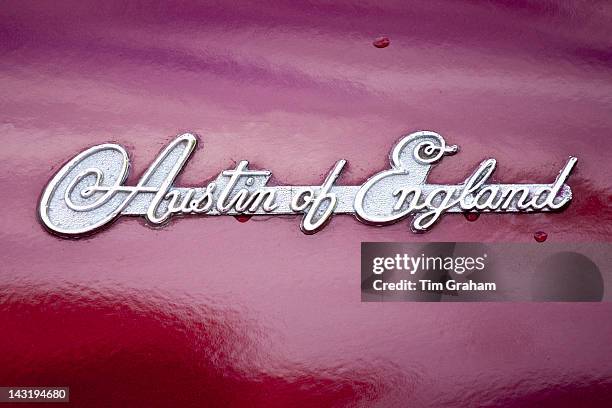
(89, 192)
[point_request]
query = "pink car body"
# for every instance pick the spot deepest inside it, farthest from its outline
(210, 311)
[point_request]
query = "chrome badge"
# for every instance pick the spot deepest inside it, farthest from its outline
(89, 192)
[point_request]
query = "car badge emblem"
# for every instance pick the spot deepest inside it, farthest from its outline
(89, 192)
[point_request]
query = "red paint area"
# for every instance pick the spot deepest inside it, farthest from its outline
(123, 349)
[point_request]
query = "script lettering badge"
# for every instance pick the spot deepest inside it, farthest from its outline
(89, 191)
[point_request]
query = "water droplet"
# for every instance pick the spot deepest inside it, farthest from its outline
(242, 218)
(540, 236)
(471, 216)
(382, 42)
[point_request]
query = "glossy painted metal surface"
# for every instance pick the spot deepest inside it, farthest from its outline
(136, 316)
